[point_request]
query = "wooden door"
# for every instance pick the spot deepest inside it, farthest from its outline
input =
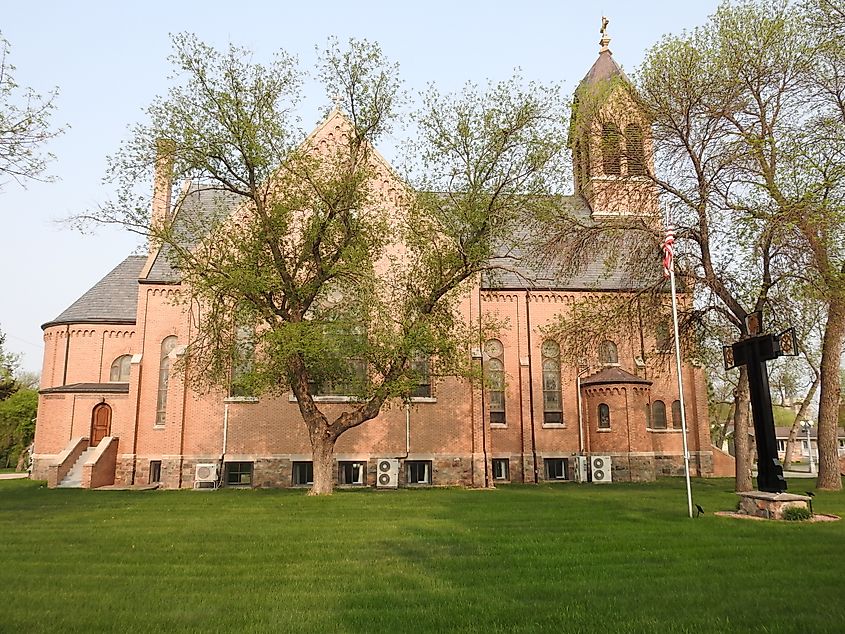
(100, 423)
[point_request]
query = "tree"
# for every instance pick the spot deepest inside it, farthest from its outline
(321, 278)
(17, 425)
(24, 124)
(8, 365)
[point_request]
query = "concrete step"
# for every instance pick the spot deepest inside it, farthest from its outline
(73, 479)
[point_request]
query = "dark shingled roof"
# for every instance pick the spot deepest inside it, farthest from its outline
(114, 299)
(613, 374)
(200, 209)
(522, 268)
(88, 388)
(604, 68)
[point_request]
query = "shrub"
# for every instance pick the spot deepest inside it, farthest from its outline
(796, 514)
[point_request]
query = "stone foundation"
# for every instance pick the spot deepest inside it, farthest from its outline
(770, 505)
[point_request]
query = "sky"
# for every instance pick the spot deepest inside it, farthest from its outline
(109, 61)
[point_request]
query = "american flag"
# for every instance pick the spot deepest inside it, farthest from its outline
(668, 250)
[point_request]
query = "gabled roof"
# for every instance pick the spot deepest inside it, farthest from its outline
(114, 299)
(613, 374)
(200, 209)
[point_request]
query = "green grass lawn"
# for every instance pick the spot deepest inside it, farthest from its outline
(556, 558)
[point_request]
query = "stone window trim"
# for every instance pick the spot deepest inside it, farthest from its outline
(664, 431)
(553, 426)
(329, 399)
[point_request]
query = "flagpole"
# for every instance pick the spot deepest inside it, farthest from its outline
(669, 247)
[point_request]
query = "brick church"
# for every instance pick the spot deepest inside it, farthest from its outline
(113, 409)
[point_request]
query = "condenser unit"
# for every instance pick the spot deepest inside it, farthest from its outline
(205, 475)
(600, 469)
(387, 473)
(581, 472)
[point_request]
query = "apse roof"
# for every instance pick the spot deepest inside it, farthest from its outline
(114, 299)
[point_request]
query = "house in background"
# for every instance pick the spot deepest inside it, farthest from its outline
(112, 410)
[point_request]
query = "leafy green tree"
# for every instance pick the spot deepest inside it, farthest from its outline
(321, 276)
(17, 425)
(24, 124)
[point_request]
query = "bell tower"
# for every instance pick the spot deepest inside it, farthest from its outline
(610, 139)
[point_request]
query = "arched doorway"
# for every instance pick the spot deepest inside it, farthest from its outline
(100, 423)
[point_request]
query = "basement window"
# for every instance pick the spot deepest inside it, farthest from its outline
(501, 469)
(352, 473)
(555, 468)
(238, 474)
(303, 473)
(418, 471)
(155, 471)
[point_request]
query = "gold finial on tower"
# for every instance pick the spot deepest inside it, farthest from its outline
(604, 42)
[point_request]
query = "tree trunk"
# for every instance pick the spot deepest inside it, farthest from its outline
(834, 338)
(796, 424)
(741, 441)
(322, 447)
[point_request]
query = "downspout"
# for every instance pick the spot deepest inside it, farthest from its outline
(67, 352)
(531, 385)
(407, 428)
(102, 354)
(225, 434)
(483, 400)
(521, 406)
(143, 338)
(184, 404)
(580, 402)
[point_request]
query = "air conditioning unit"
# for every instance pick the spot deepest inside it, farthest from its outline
(600, 469)
(387, 473)
(205, 472)
(581, 472)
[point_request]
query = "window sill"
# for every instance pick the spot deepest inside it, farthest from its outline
(554, 425)
(604, 431)
(498, 425)
(330, 399)
(240, 399)
(423, 399)
(664, 431)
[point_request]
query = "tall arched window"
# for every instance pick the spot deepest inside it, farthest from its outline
(496, 380)
(676, 414)
(604, 416)
(608, 355)
(635, 150)
(658, 416)
(610, 154)
(120, 368)
(552, 401)
(167, 346)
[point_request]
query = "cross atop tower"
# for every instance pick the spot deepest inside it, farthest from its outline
(604, 42)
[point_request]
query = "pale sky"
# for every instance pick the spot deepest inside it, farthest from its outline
(109, 60)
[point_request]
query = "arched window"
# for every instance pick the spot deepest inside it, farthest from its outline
(120, 368)
(167, 346)
(658, 416)
(604, 416)
(608, 354)
(635, 151)
(676, 414)
(552, 401)
(496, 380)
(610, 154)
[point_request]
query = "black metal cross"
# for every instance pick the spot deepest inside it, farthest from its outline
(753, 352)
